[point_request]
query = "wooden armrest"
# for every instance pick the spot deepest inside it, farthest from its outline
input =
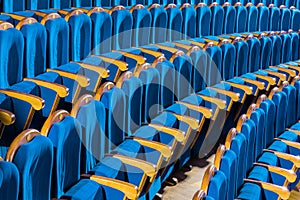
(178, 134)
(288, 174)
(162, 148)
(294, 131)
(151, 52)
(148, 168)
(234, 96)
(289, 143)
(101, 71)
(281, 76)
(140, 60)
(61, 90)
(220, 103)
(207, 113)
(203, 45)
(291, 73)
(271, 81)
(123, 66)
(258, 84)
(281, 191)
(129, 190)
(190, 49)
(294, 159)
(248, 90)
(297, 68)
(7, 118)
(82, 80)
(36, 102)
(193, 123)
(216, 42)
(175, 52)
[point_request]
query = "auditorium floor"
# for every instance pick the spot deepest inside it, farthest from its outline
(190, 182)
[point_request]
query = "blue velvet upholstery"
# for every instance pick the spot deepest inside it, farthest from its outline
(34, 162)
(241, 18)
(203, 21)
(294, 20)
(286, 48)
(254, 54)
(285, 20)
(274, 23)
(265, 52)
(114, 103)
(217, 20)
(101, 32)
(10, 181)
(241, 61)
(276, 50)
(189, 21)
(252, 21)
(65, 137)
(291, 105)
(228, 61)
(82, 3)
(174, 25)
(280, 100)
(141, 27)
(12, 6)
(60, 4)
(159, 23)
(263, 18)
(122, 24)
(37, 4)
(80, 36)
(229, 19)
(295, 46)
(92, 119)
(218, 186)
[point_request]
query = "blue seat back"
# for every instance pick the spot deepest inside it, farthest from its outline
(228, 61)
(203, 20)
(159, 23)
(263, 18)
(295, 18)
(141, 26)
(10, 181)
(290, 3)
(267, 2)
(276, 50)
(252, 20)
(189, 21)
(254, 54)
(278, 3)
(241, 18)
(101, 32)
(80, 28)
(36, 168)
(229, 19)
(37, 4)
(285, 19)
(199, 59)
(274, 23)
(241, 61)
(295, 46)
(280, 100)
(174, 25)
(265, 52)
(12, 6)
(82, 3)
(65, 135)
(214, 63)
(286, 48)
(60, 4)
(217, 19)
(122, 28)
(291, 106)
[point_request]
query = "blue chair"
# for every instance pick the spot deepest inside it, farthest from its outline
(241, 18)
(59, 4)
(217, 19)
(252, 20)
(10, 180)
(295, 17)
(64, 132)
(295, 45)
(189, 21)
(159, 23)
(10, 6)
(230, 17)
(276, 49)
(38, 151)
(203, 20)
(174, 24)
(285, 19)
(274, 21)
(37, 5)
(263, 17)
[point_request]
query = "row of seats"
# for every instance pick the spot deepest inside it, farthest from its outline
(272, 172)
(133, 94)
(10, 6)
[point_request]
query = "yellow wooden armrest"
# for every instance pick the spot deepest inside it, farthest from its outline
(151, 52)
(162, 148)
(129, 190)
(281, 76)
(288, 174)
(258, 84)
(167, 48)
(140, 60)
(248, 90)
(92, 10)
(7, 118)
(5, 25)
(190, 49)
(296, 79)
(220, 103)
(193, 123)
(202, 45)
(123, 66)
(216, 42)
(101, 71)
(294, 159)
(234, 96)
(61, 90)
(178, 134)
(289, 143)
(291, 73)
(46, 16)
(297, 68)
(148, 168)
(207, 113)
(281, 191)
(68, 14)
(270, 80)
(82, 80)
(36, 102)
(199, 195)
(294, 131)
